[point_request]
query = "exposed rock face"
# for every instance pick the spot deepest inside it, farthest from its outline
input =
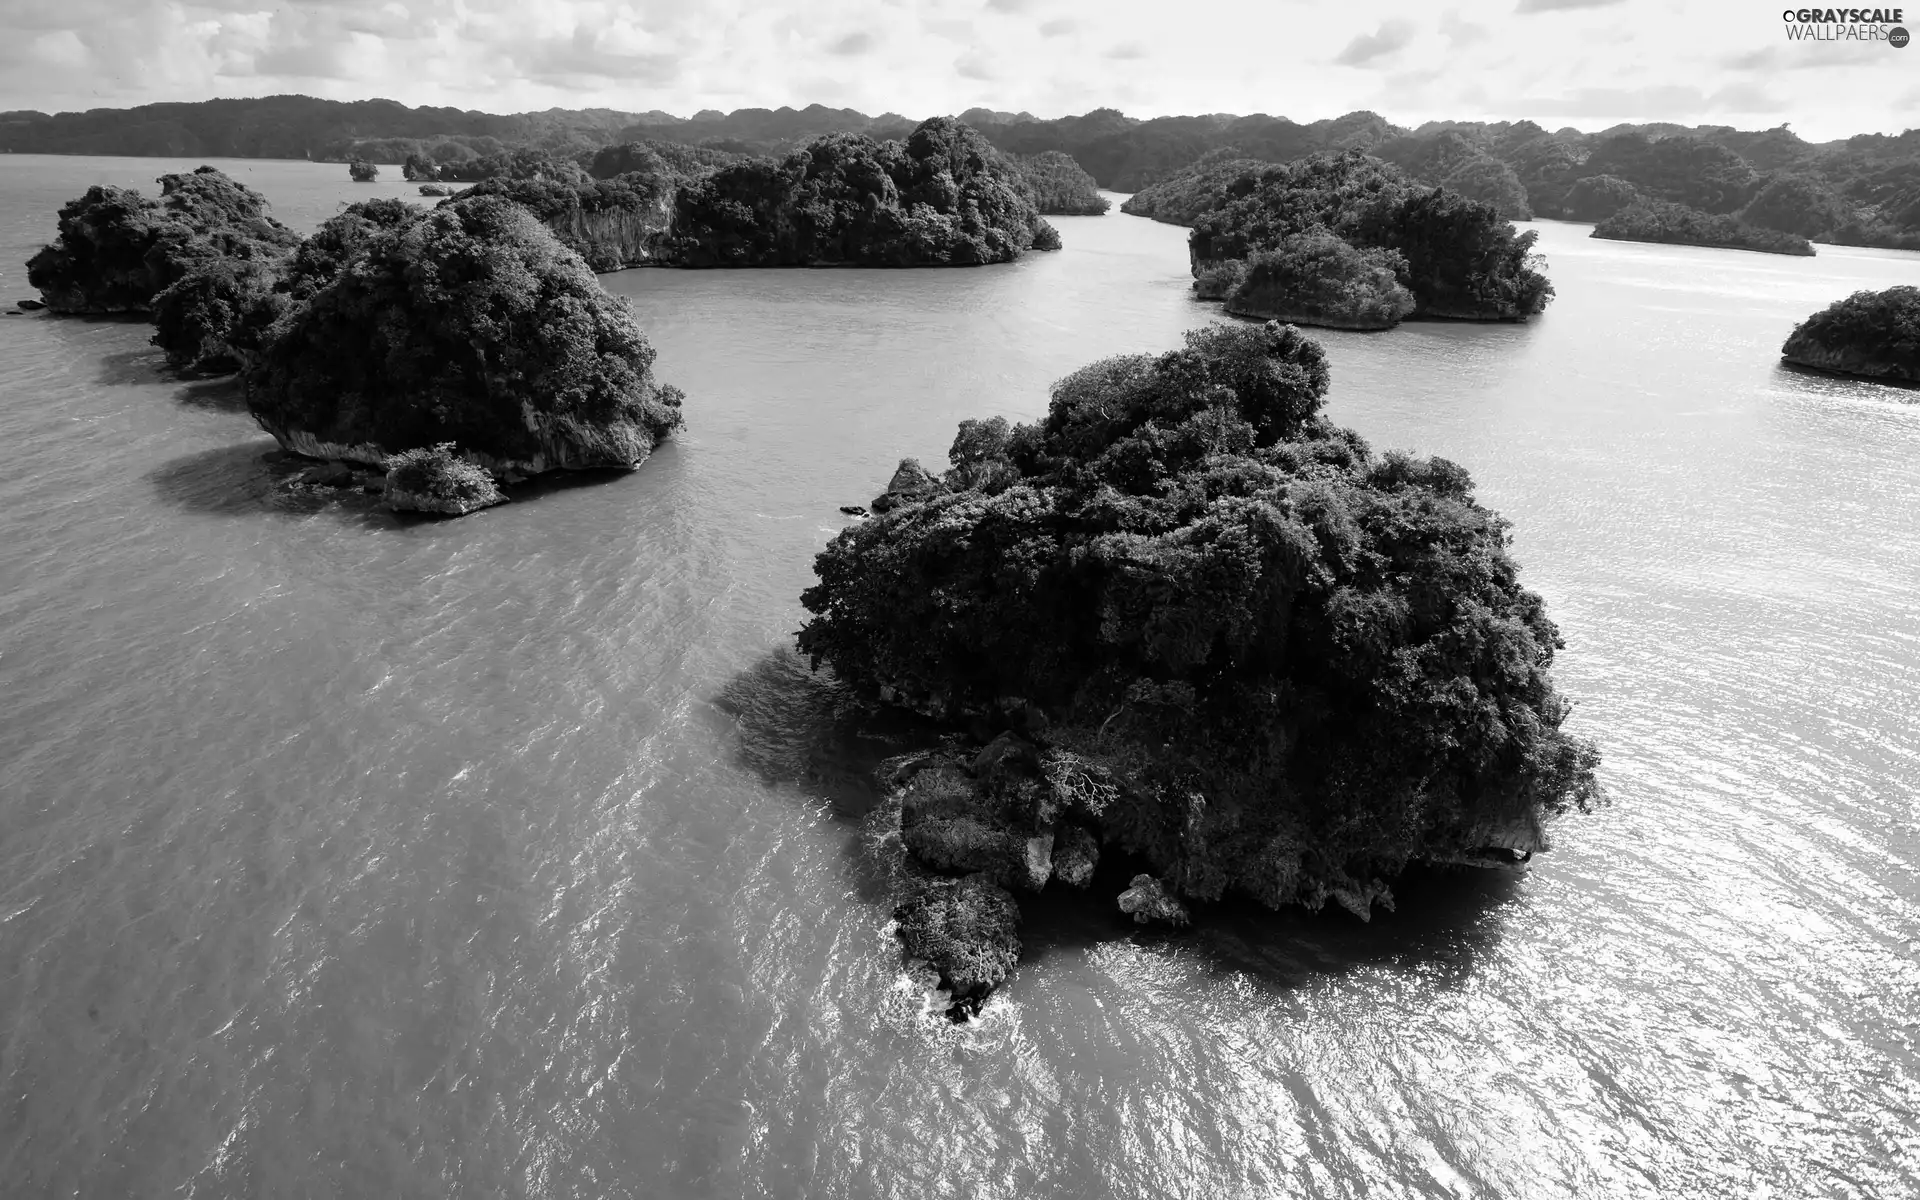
(1147, 899)
(1848, 361)
(117, 249)
(626, 221)
(469, 324)
(1871, 334)
(910, 481)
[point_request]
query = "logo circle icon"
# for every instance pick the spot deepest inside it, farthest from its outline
(1898, 36)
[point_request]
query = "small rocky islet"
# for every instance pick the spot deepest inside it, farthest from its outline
(1871, 335)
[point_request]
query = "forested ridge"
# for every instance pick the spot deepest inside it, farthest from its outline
(1861, 190)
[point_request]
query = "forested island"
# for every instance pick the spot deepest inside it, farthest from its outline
(1193, 626)
(1875, 335)
(445, 349)
(1346, 241)
(943, 197)
(1658, 221)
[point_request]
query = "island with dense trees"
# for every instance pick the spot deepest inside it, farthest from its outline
(1059, 186)
(442, 349)
(943, 197)
(1659, 221)
(1875, 335)
(469, 324)
(1457, 258)
(1192, 625)
(118, 249)
(1313, 278)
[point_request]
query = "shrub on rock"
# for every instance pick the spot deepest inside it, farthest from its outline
(469, 324)
(966, 929)
(363, 171)
(436, 479)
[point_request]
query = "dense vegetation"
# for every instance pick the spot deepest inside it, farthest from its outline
(117, 249)
(1875, 334)
(1058, 186)
(1180, 198)
(363, 171)
(943, 197)
(1867, 187)
(1598, 197)
(1659, 221)
(1247, 648)
(1458, 257)
(436, 479)
(1317, 279)
(470, 324)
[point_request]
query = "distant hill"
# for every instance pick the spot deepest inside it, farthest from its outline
(1864, 189)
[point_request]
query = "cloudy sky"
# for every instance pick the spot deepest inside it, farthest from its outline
(1581, 62)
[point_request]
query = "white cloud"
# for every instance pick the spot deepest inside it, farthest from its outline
(1564, 61)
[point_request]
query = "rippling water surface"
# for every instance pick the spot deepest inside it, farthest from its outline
(346, 856)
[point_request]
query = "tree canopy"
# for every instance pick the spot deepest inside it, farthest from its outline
(1250, 650)
(943, 197)
(1461, 258)
(469, 324)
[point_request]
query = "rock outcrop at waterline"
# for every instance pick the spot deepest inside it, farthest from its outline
(1239, 648)
(1875, 335)
(470, 324)
(117, 249)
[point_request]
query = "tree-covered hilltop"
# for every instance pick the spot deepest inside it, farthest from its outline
(943, 197)
(1872, 334)
(1230, 639)
(469, 324)
(1872, 179)
(117, 249)
(1658, 221)
(1458, 257)
(1059, 187)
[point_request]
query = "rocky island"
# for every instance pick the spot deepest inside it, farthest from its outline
(1059, 186)
(468, 324)
(1647, 220)
(1875, 335)
(117, 249)
(1186, 622)
(943, 197)
(1454, 258)
(441, 349)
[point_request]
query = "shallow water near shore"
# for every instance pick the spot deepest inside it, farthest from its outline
(342, 854)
